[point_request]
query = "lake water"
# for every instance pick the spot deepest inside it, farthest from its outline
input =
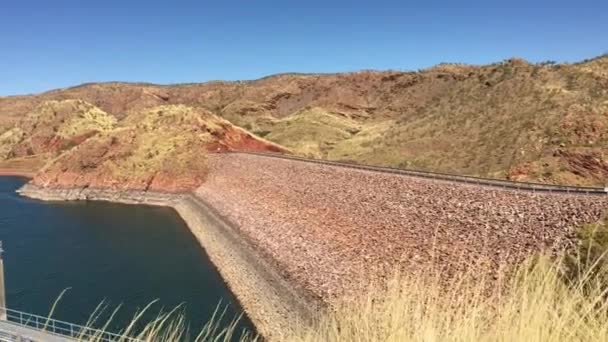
(128, 255)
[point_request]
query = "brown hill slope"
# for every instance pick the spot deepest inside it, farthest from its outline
(49, 129)
(511, 119)
(162, 149)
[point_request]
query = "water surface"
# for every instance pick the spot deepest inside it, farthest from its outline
(126, 255)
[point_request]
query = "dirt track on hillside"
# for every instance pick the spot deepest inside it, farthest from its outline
(333, 229)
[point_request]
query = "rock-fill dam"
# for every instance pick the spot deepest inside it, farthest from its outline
(290, 236)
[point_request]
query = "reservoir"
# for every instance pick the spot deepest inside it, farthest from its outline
(122, 255)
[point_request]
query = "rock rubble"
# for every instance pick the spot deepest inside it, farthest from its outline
(334, 229)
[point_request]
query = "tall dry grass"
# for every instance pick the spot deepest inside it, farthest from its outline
(165, 327)
(535, 304)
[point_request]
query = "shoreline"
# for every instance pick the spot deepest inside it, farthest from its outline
(17, 173)
(272, 303)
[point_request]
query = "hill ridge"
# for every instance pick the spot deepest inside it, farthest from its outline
(512, 119)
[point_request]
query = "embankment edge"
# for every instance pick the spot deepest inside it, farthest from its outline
(269, 299)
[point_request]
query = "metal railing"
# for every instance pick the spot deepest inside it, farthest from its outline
(487, 182)
(61, 328)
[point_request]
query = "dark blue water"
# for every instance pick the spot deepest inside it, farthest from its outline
(128, 255)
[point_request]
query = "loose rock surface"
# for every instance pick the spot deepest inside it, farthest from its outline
(334, 229)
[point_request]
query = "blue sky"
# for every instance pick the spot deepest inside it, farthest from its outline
(51, 44)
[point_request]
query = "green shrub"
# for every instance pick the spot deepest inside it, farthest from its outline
(588, 261)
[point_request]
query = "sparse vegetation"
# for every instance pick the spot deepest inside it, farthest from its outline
(590, 257)
(164, 144)
(312, 131)
(91, 119)
(487, 120)
(170, 139)
(50, 129)
(161, 149)
(170, 326)
(9, 139)
(535, 305)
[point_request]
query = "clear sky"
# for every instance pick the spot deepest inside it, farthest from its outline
(48, 44)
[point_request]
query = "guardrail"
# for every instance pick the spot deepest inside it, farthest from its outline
(488, 182)
(61, 328)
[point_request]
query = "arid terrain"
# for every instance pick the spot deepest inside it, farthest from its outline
(71, 143)
(516, 120)
(325, 231)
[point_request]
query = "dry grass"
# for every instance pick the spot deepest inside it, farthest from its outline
(362, 144)
(8, 139)
(87, 120)
(165, 327)
(310, 132)
(543, 299)
(166, 138)
(152, 152)
(69, 118)
(48, 129)
(536, 305)
(169, 327)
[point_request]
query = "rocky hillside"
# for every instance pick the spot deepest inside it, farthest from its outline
(49, 129)
(537, 122)
(72, 143)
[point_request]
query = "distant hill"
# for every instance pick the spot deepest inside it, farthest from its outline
(539, 122)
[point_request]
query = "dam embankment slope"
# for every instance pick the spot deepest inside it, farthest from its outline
(332, 229)
(290, 236)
